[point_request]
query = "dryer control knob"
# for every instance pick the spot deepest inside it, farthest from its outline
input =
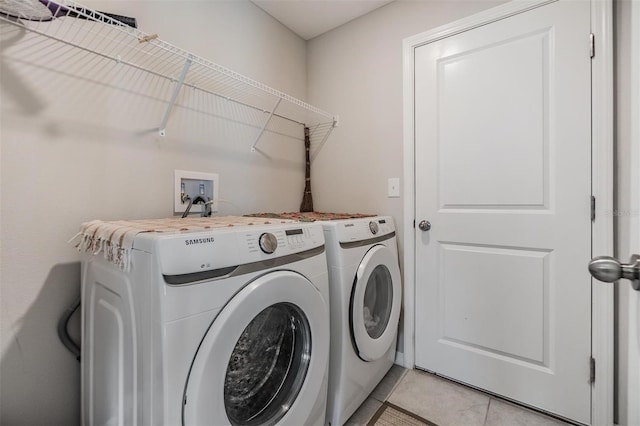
(373, 227)
(268, 242)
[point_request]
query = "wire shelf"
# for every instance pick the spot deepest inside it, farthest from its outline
(73, 24)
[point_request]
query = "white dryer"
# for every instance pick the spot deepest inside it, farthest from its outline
(216, 327)
(365, 295)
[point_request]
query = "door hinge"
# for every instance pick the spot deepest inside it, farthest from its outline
(592, 370)
(592, 45)
(593, 208)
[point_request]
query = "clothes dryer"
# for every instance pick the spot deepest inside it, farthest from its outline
(365, 298)
(221, 326)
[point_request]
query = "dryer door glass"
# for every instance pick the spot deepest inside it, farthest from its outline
(268, 366)
(378, 298)
(375, 303)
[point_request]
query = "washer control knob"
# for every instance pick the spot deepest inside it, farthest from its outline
(268, 242)
(373, 227)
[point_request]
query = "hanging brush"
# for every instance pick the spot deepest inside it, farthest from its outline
(307, 200)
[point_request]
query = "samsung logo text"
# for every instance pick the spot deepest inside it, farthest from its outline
(198, 241)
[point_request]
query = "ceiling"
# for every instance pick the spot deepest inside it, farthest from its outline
(310, 18)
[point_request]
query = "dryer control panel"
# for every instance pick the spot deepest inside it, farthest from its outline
(364, 229)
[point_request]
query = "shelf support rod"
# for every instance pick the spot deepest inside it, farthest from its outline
(174, 96)
(336, 120)
(264, 126)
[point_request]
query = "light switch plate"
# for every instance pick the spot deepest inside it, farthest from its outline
(393, 188)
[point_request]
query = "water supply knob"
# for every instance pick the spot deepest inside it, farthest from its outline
(268, 242)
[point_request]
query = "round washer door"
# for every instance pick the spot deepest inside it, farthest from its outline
(375, 303)
(264, 357)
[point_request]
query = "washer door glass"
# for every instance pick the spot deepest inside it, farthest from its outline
(378, 297)
(263, 359)
(267, 366)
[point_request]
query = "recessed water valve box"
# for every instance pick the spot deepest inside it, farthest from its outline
(196, 186)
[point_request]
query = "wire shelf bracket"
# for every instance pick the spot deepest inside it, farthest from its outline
(174, 96)
(264, 126)
(336, 120)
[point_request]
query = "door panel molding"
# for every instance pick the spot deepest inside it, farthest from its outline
(602, 182)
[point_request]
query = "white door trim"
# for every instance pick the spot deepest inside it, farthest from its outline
(602, 182)
(602, 124)
(632, 338)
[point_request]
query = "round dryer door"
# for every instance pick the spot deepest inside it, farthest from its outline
(375, 303)
(264, 358)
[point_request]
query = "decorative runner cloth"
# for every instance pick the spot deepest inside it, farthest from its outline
(115, 238)
(310, 216)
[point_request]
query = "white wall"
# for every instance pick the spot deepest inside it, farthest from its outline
(356, 71)
(78, 143)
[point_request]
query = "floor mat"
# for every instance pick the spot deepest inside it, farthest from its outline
(392, 415)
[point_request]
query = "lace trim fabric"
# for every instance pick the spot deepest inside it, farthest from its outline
(115, 238)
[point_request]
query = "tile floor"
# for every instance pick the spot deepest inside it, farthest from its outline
(445, 403)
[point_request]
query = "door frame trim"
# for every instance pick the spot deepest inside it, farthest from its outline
(602, 187)
(602, 183)
(629, 342)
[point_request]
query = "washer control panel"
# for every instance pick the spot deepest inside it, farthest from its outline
(290, 239)
(190, 252)
(296, 237)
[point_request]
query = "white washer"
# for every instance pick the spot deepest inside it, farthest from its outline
(365, 292)
(227, 326)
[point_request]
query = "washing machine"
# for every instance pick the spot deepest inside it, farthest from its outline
(225, 326)
(365, 295)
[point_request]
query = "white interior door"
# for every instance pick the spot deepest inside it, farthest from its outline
(503, 173)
